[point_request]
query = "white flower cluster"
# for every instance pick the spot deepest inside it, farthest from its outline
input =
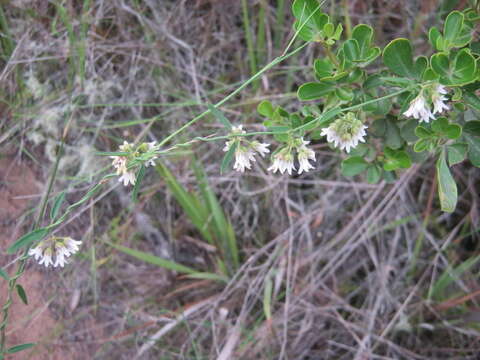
(120, 162)
(245, 150)
(345, 132)
(283, 160)
(60, 248)
(419, 107)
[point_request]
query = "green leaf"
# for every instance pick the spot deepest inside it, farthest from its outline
(363, 34)
(392, 135)
(421, 64)
(152, 259)
(4, 274)
(21, 347)
(460, 71)
(447, 188)
(453, 25)
(22, 294)
(454, 131)
(379, 127)
(422, 132)
(57, 203)
(397, 56)
(314, 90)
(28, 239)
(456, 153)
(328, 29)
(353, 166)
(422, 145)
(220, 117)
(227, 159)
(442, 128)
(344, 94)
(374, 173)
(472, 127)
(473, 149)
(267, 298)
(472, 100)
(396, 159)
(323, 68)
(310, 19)
(440, 125)
(351, 50)
(138, 182)
(433, 35)
(408, 130)
(266, 109)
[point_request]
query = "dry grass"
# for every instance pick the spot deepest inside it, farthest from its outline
(348, 277)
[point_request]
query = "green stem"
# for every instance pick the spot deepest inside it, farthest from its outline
(348, 21)
(233, 93)
(249, 38)
(353, 107)
(331, 55)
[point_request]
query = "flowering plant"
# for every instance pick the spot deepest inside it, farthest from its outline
(384, 108)
(387, 119)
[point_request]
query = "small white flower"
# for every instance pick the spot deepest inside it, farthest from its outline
(282, 161)
(60, 253)
(72, 245)
(47, 258)
(261, 148)
(151, 147)
(119, 163)
(126, 146)
(127, 177)
(439, 100)
(304, 155)
(345, 132)
(238, 130)
(243, 157)
(37, 252)
(419, 109)
(245, 150)
(59, 247)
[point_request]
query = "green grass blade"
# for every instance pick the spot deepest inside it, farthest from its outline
(249, 38)
(449, 276)
(189, 203)
(208, 276)
(221, 226)
(154, 260)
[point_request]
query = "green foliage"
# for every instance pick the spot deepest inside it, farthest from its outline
(220, 117)
(447, 188)
(18, 348)
(22, 294)
(398, 57)
(438, 290)
(396, 159)
(344, 83)
(27, 240)
(459, 70)
(353, 166)
(457, 153)
(206, 215)
(4, 275)
(457, 33)
(57, 203)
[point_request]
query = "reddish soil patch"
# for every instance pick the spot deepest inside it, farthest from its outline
(33, 322)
